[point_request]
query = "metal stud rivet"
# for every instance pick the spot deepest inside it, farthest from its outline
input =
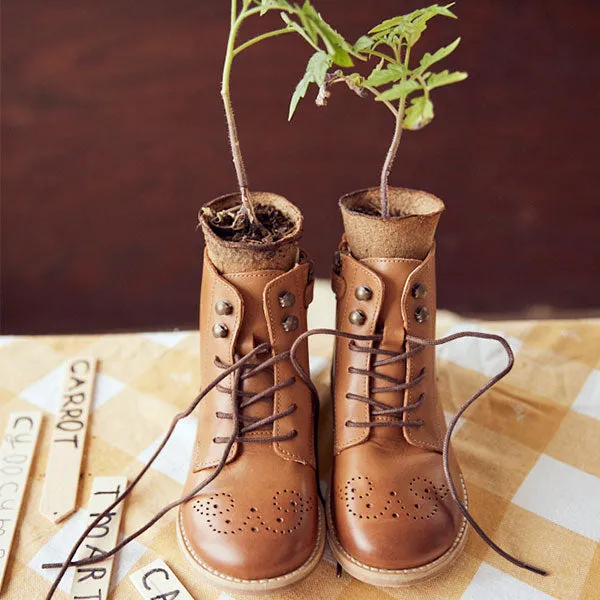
(223, 307)
(290, 323)
(220, 330)
(357, 317)
(363, 292)
(421, 314)
(286, 299)
(419, 291)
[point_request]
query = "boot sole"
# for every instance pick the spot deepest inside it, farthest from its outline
(228, 583)
(400, 577)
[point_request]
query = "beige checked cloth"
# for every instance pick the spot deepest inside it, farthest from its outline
(530, 451)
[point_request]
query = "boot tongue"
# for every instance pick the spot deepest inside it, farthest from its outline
(254, 331)
(394, 272)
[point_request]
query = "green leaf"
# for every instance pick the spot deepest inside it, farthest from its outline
(337, 47)
(402, 89)
(436, 80)
(418, 114)
(430, 59)
(381, 76)
(364, 42)
(409, 27)
(316, 72)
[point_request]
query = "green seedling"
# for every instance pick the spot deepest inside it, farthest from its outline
(399, 81)
(329, 46)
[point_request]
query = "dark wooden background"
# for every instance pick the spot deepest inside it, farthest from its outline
(113, 136)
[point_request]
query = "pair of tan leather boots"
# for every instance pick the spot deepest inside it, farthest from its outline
(259, 525)
(252, 517)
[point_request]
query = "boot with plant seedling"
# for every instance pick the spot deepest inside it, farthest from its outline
(250, 517)
(397, 503)
(258, 524)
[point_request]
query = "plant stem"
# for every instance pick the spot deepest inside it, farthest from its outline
(393, 149)
(234, 141)
(260, 38)
(389, 160)
(386, 102)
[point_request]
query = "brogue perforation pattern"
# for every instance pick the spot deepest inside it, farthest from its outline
(419, 502)
(217, 512)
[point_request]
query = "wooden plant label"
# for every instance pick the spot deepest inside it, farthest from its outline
(68, 440)
(92, 581)
(16, 454)
(156, 581)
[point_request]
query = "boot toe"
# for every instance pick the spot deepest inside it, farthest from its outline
(397, 522)
(251, 539)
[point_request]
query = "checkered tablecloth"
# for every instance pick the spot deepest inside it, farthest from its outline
(530, 451)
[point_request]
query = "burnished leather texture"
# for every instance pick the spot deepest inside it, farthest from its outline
(259, 519)
(389, 502)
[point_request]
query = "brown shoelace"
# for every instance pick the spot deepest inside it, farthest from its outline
(396, 385)
(250, 423)
(242, 369)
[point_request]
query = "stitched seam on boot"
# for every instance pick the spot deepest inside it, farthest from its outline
(293, 276)
(236, 326)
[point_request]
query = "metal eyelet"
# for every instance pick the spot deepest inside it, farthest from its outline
(290, 323)
(223, 307)
(419, 291)
(363, 292)
(421, 314)
(357, 317)
(286, 299)
(220, 330)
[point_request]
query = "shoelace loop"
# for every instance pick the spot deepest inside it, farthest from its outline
(249, 423)
(380, 409)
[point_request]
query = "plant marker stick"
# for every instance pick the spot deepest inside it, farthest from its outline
(59, 496)
(16, 455)
(93, 581)
(156, 580)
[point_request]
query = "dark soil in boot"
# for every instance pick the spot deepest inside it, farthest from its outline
(232, 224)
(375, 211)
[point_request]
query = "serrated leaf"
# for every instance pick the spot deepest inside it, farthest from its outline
(402, 89)
(316, 72)
(364, 42)
(382, 76)
(298, 94)
(418, 114)
(436, 80)
(309, 26)
(408, 28)
(337, 47)
(430, 59)
(402, 24)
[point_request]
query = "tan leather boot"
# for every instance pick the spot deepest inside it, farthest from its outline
(258, 525)
(392, 520)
